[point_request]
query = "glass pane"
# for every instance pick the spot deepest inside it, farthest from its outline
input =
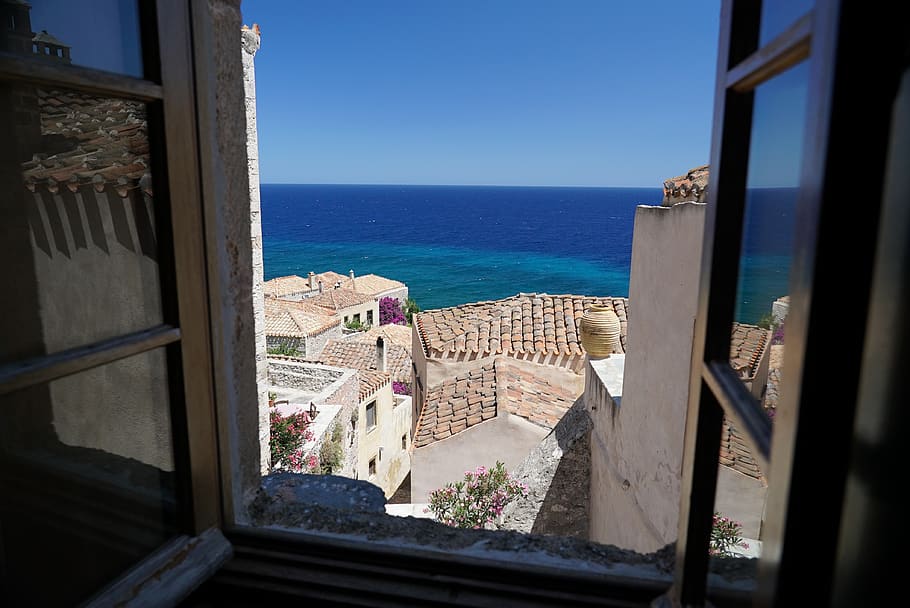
(86, 479)
(102, 34)
(778, 15)
(757, 344)
(78, 229)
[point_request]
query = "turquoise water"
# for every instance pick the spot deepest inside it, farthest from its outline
(457, 244)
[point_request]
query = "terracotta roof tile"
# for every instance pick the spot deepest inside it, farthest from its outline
(372, 381)
(284, 318)
(371, 284)
(285, 286)
(519, 326)
(399, 335)
(747, 345)
(735, 452)
(362, 355)
(462, 402)
(98, 141)
(339, 299)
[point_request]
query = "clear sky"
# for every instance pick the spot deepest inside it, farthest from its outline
(500, 92)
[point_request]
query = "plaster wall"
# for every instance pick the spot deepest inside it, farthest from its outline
(637, 445)
(383, 441)
(505, 438)
(347, 314)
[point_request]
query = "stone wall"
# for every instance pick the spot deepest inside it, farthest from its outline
(345, 391)
(316, 344)
(304, 376)
(250, 41)
(557, 473)
(285, 343)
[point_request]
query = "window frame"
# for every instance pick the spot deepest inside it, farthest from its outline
(371, 406)
(168, 91)
(806, 477)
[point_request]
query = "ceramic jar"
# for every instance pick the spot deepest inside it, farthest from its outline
(600, 331)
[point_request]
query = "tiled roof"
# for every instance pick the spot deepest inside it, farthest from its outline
(747, 344)
(284, 286)
(371, 284)
(372, 381)
(538, 327)
(399, 335)
(330, 279)
(99, 141)
(735, 452)
(362, 355)
(284, 318)
(462, 402)
(339, 299)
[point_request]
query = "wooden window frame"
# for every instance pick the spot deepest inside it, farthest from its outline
(168, 92)
(806, 471)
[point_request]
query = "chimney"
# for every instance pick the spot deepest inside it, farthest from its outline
(353, 286)
(320, 287)
(381, 354)
(312, 278)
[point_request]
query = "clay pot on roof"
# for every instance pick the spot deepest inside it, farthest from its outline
(600, 329)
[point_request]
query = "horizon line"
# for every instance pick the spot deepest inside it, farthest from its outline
(262, 182)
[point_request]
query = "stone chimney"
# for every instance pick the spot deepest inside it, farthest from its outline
(353, 285)
(312, 278)
(382, 354)
(321, 288)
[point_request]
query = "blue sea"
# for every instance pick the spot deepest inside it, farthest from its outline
(457, 244)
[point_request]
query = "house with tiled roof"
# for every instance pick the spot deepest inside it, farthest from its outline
(379, 355)
(299, 326)
(539, 328)
(383, 425)
(398, 335)
(498, 411)
(295, 287)
(348, 305)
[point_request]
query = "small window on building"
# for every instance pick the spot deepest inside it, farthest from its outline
(404, 441)
(370, 317)
(372, 466)
(371, 415)
(357, 318)
(345, 318)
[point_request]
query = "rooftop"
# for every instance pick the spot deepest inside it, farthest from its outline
(285, 286)
(339, 299)
(95, 141)
(519, 326)
(371, 381)
(747, 344)
(284, 318)
(399, 335)
(362, 355)
(371, 284)
(462, 402)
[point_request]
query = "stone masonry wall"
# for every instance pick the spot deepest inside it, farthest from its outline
(250, 41)
(313, 378)
(316, 344)
(557, 473)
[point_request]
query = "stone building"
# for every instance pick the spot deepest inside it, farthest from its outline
(383, 424)
(299, 326)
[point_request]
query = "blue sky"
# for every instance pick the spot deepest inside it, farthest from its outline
(504, 92)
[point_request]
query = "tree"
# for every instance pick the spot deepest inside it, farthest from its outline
(410, 309)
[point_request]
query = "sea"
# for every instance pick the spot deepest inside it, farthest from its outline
(458, 244)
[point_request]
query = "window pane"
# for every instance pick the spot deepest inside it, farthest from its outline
(78, 230)
(778, 15)
(102, 34)
(757, 343)
(86, 479)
